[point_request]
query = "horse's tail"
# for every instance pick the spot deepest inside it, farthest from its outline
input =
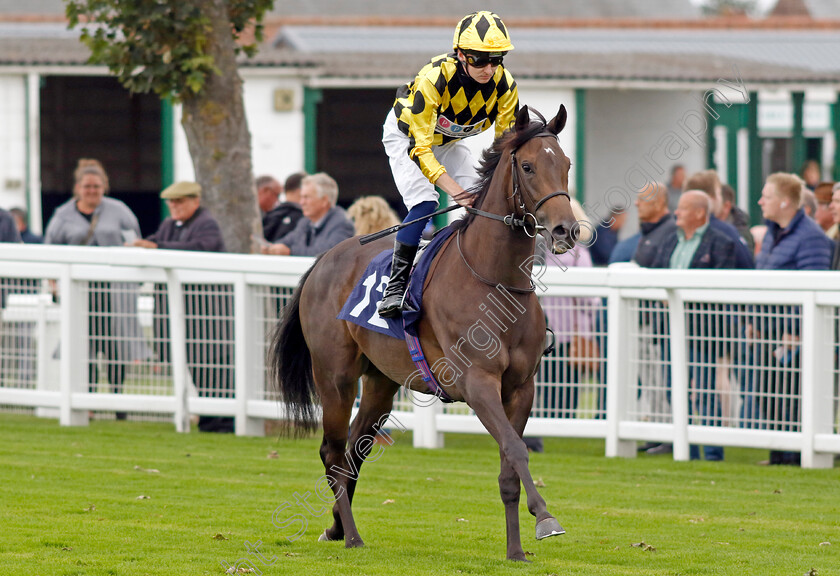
(290, 364)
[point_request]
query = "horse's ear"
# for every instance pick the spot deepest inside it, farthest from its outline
(523, 118)
(558, 122)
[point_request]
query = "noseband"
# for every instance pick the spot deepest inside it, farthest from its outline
(511, 219)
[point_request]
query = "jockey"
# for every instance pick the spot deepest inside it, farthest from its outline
(454, 96)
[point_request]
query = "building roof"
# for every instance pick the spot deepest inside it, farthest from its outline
(690, 52)
(665, 9)
(676, 55)
(669, 9)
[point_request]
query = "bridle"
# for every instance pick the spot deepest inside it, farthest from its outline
(511, 219)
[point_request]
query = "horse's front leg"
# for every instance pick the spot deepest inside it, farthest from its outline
(484, 398)
(517, 411)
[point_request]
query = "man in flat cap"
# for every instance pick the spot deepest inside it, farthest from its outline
(190, 227)
(209, 325)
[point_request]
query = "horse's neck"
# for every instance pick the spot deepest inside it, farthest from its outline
(495, 250)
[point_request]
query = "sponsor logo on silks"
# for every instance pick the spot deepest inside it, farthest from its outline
(449, 128)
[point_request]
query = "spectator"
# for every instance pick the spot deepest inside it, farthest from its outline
(324, 224)
(758, 232)
(291, 187)
(28, 237)
(656, 224)
(792, 242)
(811, 174)
(707, 181)
(573, 320)
(371, 214)
(655, 221)
(624, 250)
(675, 186)
(606, 238)
(809, 203)
(823, 215)
(209, 308)
(8, 230)
(91, 218)
(729, 212)
(574, 360)
(835, 213)
(697, 245)
(278, 218)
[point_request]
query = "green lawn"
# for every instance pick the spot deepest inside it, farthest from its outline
(70, 505)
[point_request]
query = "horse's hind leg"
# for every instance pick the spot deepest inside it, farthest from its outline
(377, 401)
(337, 398)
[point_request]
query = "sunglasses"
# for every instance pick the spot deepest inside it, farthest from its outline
(482, 60)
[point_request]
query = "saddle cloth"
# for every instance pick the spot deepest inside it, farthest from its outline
(360, 307)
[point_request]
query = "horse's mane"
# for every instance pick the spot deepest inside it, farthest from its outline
(510, 139)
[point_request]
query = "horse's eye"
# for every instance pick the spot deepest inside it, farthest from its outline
(526, 167)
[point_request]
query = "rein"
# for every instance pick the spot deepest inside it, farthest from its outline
(481, 278)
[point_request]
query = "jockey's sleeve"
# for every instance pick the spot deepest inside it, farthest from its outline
(422, 121)
(508, 103)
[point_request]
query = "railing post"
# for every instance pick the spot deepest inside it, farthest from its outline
(178, 346)
(426, 433)
(74, 348)
(816, 381)
(618, 382)
(248, 354)
(679, 375)
(42, 354)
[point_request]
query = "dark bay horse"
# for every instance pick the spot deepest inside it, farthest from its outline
(524, 176)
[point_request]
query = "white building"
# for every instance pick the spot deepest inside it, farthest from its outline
(648, 84)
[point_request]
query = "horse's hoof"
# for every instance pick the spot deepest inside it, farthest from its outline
(519, 558)
(324, 538)
(354, 543)
(549, 527)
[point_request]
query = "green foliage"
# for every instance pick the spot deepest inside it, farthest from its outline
(160, 45)
(71, 504)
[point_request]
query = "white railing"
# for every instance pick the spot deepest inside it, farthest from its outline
(729, 358)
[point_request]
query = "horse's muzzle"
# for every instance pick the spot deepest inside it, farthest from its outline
(564, 237)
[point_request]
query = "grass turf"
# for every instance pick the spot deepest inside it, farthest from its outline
(71, 505)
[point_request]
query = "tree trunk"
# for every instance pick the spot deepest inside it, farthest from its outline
(219, 139)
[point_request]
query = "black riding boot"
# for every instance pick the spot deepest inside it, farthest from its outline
(391, 304)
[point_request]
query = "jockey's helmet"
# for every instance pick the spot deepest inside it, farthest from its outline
(481, 32)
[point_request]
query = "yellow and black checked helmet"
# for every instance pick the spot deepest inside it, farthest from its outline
(483, 32)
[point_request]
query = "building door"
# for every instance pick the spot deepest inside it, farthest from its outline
(349, 144)
(95, 117)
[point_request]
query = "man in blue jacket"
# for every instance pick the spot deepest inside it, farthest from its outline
(793, 242)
